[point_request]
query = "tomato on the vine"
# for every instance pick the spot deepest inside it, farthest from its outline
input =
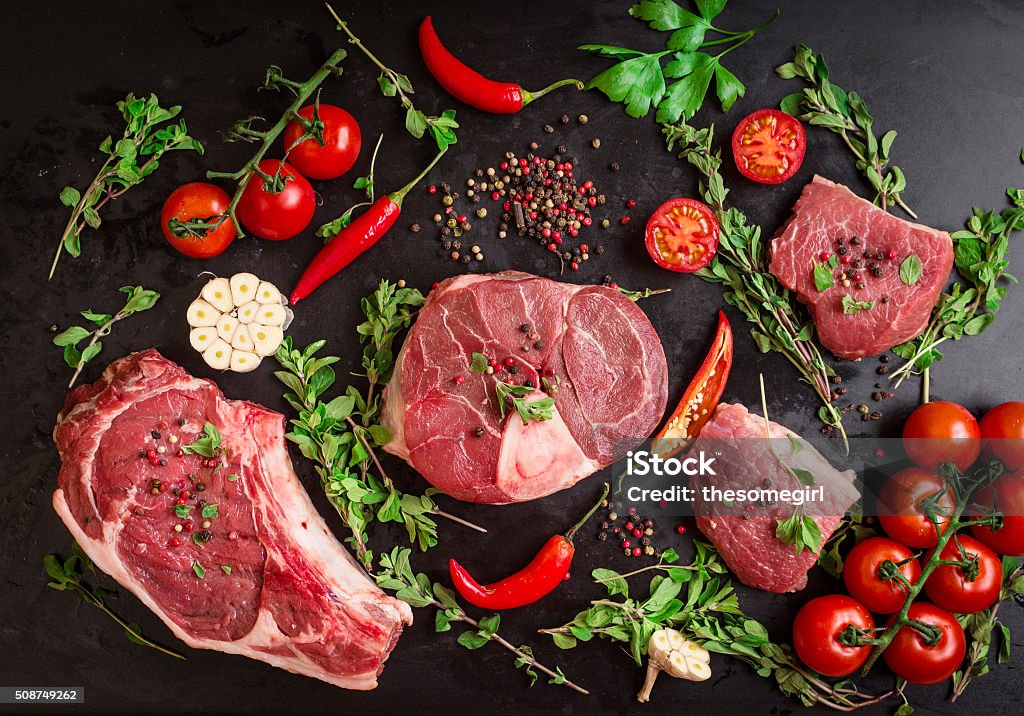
(203, 202)
(817, 629)
(939, 432)
(864, 581)
(909, 654)
(342, 141)
(1005, 495)
(902, 506)
(682, 235)
(965, 590)
(1002, 433)
(281, 215)
(769, 146)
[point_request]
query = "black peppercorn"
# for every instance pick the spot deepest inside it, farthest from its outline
(513, 370)
(614, 166)
(181, 422)
(200, 486)
(479, 432)
(602, 536)
(525, 328)
(155, 434)
(841, 251)
(882, 370)
(855, 240)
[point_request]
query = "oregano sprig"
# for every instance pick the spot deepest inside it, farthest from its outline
(139, 299)
(148, 134)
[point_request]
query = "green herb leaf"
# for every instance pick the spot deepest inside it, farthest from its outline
(910, 270)
(539, 409)
(479, 363)
(852, 306)
(210, 512)
(800, 531)
(823, 279)
(71, 336)
(472, 640)
(226, 568)
(207, 445)
(70, 196)
(198, 569)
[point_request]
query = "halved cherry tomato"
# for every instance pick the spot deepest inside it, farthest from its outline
(336, 155)
(769, 146)
(1002, 431)
(1005, 495)
(862, 574)
(281, 215)
(900, 509)
(701, 396)
(816, 632)
(682, 235)
(919, 662)
(965, 590)
(939, 432)
(200, 201)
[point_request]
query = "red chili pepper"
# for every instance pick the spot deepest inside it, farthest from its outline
(544, 572)
(364, 231)
(701, 396)
(468, 85)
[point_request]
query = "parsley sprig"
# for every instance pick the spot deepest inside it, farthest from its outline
(68, 575)
(340, 436)
(678, 88)
(148, 135)
(395, 84)
(698, 602)
(416, 589)
(139, 299)
(828, 105)
(980, 256)
(741, 265)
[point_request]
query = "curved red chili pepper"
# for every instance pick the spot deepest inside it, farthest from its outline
(471, 87)
(364, 231)
(540, 577)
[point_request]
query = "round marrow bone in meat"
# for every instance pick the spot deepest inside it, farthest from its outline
(671, 652)
(237, 321)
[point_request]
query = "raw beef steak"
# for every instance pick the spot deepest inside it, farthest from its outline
(593, 343)
(265, 578)
(745, 534)
(827, 213)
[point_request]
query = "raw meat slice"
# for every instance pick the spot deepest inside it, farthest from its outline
(826, 212)
(744, 461)
(593, 342)
(265, 579)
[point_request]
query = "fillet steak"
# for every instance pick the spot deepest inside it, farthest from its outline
(745, 534)
(253, 569)
(869, 247)
(589, 346)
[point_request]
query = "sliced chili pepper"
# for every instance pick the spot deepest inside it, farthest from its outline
(471, 87)
(544, 572)
(364, 231)
(701, 396)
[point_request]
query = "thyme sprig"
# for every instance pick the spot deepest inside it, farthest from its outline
(68, 575)
(697, 601)
(340, 436)
(741, 265)
(395, 84)
(139, 299)
(828, 105)
(416, 589)
(148, 135)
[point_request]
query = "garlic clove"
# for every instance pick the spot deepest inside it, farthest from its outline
(242, 340)
(271, 314)
(676, 640)
(243, 288)
(696, 670)
(244, 361)
(267, 293)
(217, 293)
(201, 313)
(202, 338)
(226, 327)
(694, 651)
(247, 312)
(266, 339)
(218, 355)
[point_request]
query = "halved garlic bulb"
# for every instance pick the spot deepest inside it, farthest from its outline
(237, 321)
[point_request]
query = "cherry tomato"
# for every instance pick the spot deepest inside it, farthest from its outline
(769, 146)
(1006, 495)
(276, 216)
(816, 631)
(900, 511)
(197, 200)
(910, 656)
(682, 235)
(342, 141)
(941, 432)
(965, 591)
(863, 581)
(1002, 432)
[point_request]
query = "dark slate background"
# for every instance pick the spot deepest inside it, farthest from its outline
(947, 75)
